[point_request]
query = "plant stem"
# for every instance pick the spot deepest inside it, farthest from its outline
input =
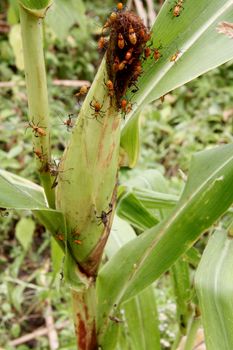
(196, 322)
(35, 75)
(84, 309)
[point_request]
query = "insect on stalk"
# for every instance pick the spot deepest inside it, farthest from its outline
(55, 172)
(36, 129)
(103, 217)
(39, 153)
(97, 108)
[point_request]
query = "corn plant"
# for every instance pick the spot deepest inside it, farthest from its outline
(78, 197)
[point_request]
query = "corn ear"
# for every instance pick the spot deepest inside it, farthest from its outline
(88, 176)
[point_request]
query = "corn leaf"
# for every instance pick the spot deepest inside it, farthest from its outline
(194, 36)
(214, 286)
(144, 259)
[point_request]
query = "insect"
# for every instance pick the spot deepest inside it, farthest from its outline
(115, 319)
(36, 129)
(147, 52)
(126, 106)
(96, 106)
(128, 55)
(120, 41)
(102, 43)
(122, 65)
(132, 35)
(109, 21)
(104, 216)
(156, 53)
(77, 241)
(110, 87)
(177, 8)
(120, 6)
(162, 98)
(68, 122)
(39, 153)
(54, 171)
(137, 70)
(82, 92)
(60, 236)
(174, 57)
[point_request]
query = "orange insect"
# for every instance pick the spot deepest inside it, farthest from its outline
(121, 41)
(110, 20)
(126, 106)
(96, 106)
(39, 153)
(121, 65)
(137, 70)
(147, 52)
(128, 54)
(82, 92)
(156, 53)
(60, 237)
(174, 57)
(77, 241)
(177, 8)
(110, 87)
(68, 122)
(120, 6)
(132, 36)
(36, 129)
(102, 43)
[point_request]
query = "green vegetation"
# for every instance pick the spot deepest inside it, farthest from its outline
(193, 117)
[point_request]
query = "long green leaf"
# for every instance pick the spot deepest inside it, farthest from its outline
(141, 319)
(214, 286)
(144, 259)
(201, 48)
(19, 193)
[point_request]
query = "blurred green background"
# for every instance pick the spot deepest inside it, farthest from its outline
(191, 118)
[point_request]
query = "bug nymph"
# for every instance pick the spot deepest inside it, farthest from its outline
(96, 106)
(55, 171)
(82, 92)
(102, 43)
(121, 41)
(147, 52)
(120, 6)
(178, 7)
(128, 54)
(39, 153)
(126, 106)
(132, 35)
(110, 87)
(174, 57)
(68, 122)
(104, 216)
(109, 21)
(36, 129)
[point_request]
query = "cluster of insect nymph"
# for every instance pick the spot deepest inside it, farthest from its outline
(127, 43)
